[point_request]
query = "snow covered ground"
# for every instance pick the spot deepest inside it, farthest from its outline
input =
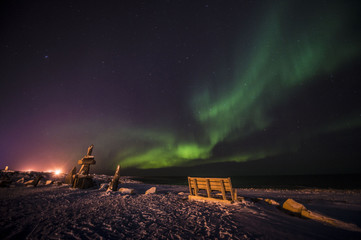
(60, 212)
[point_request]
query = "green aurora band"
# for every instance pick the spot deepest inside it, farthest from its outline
(286, 55)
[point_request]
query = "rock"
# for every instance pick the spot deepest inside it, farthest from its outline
(331, 221)
(48, 182)
(103, 186)
(21, 180)
(271, 202)
(69, 179)
(30, 182)
(126, 190)
(301, 210)
(151, 190)
(37, 179)
(293, 206)
(114, 183)
(181, 193)
(58, 183)
(83, 181)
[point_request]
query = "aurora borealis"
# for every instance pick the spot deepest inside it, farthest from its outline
(182, 84)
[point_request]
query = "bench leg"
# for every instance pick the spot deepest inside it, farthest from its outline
(234, 197)
(223, 190)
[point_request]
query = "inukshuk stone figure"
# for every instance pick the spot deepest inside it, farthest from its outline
(90, 150)
(86, 161)
(82, 179)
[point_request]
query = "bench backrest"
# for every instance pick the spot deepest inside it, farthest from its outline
(214, 183)
(222, 185)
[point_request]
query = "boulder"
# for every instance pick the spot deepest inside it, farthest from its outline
(151, 190)
(48, 182)
(37, 179)
(30, 182)
(114, 183)
(126, 190)
(103, 186)
(69, 179)
(271, 202)
(293, 206)
(83, 181)
(21, 180)
(301, 210)
(58, 183)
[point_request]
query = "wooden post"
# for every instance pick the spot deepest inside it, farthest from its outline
(196, 187)
(208, 188)
(223, 190)
(190, 186)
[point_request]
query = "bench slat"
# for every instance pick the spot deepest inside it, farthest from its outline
(210, 179)
(211, 185)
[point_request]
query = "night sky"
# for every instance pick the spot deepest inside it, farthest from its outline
(179, 87)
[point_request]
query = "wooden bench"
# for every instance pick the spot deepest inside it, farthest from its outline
(197, 186)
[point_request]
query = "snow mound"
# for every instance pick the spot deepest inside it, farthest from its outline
(126, 190)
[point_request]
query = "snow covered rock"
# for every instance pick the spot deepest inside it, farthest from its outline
(21, 180)
(126, 190)
(48, 182)
(104, 186)
(271, 202)
(293, 206)
(298, 208)
(58, 183)
(30, 182)
(151, 190)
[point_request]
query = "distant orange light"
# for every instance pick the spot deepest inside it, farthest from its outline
(57, 172)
